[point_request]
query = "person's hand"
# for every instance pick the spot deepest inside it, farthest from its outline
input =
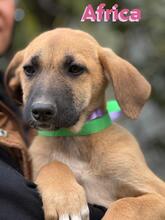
(7, 8)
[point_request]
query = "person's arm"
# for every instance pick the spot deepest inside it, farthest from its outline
(19, 198)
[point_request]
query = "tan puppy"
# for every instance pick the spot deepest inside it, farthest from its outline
(64, 74)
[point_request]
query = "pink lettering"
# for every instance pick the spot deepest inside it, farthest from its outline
(89, 14)
(123, 15)
(100, 12)
(135, 15)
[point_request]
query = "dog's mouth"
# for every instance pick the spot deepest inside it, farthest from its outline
(43, 126)
(53, 125)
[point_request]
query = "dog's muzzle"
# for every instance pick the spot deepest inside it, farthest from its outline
(43, 112)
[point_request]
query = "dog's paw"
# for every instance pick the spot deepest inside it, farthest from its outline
(65, 204)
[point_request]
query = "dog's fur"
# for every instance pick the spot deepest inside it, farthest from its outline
(106, 168)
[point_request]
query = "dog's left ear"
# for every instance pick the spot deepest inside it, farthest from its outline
(12, 77)
(130, 87)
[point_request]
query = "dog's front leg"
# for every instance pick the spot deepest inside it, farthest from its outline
(63, 198)
(146, 207)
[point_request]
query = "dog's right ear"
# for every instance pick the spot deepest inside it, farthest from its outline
(12, 77)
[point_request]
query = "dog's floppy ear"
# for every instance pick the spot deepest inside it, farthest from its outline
(130, 87)
(12, 77)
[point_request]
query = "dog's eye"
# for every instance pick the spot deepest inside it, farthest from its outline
(76, 69)
(29, 70)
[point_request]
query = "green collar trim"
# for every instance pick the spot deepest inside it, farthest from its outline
(90, 127)
(113, 106)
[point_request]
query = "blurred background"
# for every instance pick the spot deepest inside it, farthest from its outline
(143, 44)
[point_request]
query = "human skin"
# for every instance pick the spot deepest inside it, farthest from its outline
(7, 8)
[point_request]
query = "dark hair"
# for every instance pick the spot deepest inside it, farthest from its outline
(9, 102)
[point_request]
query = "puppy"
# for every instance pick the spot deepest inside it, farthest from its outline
(63, 74)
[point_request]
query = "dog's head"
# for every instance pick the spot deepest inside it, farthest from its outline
(63, 75)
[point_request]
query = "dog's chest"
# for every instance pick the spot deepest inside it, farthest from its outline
(79, 168)
(97, 188)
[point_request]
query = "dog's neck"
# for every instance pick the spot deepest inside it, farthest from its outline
(98, 111)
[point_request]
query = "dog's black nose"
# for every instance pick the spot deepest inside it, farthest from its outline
(43, 112)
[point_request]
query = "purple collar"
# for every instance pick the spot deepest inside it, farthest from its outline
(98, 113)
